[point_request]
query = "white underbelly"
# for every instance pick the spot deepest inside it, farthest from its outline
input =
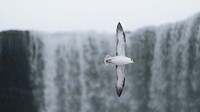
(119, 60)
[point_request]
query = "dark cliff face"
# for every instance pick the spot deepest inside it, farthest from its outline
(15, 87)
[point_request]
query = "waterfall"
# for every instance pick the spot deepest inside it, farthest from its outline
(164, 78)
(174, 85)
(67, 73)
(71, 73)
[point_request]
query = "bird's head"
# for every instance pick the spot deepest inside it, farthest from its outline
(132, 61)
(129, 60)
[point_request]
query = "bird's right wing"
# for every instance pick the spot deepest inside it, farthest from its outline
(121, 40)
(120, 79)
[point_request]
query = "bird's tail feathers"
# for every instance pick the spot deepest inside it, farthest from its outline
(106, 59)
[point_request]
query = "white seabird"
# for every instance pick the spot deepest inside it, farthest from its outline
(120, 59)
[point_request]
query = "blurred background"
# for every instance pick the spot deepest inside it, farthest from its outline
(51, 55)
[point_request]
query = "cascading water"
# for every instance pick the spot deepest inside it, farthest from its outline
(73, 73)
(68, 74)
(174, 85)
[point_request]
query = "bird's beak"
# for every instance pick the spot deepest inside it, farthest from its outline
(133, 61)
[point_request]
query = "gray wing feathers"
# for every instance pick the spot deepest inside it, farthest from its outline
(120, 79)
(121, 40)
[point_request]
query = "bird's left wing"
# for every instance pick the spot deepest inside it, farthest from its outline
(121, 40)
(120, 79)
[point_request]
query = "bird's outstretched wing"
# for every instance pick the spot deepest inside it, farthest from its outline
(120, 79)
(121, 40)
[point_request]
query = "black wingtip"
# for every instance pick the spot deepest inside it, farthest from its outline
(119, 91)
(119, 26)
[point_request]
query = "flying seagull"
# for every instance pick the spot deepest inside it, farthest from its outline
(120, 59)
